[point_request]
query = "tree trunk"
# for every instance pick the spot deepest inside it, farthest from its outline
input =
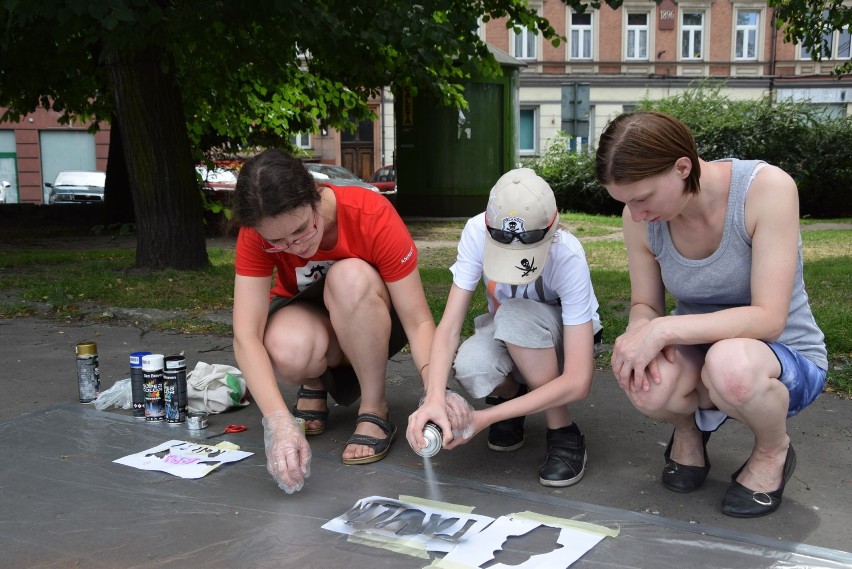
(118, 199)
(167, 204)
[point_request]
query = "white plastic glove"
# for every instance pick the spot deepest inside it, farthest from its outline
(460, 414)
(288, 456)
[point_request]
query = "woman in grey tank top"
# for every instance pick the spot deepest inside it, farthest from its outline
(723, 239)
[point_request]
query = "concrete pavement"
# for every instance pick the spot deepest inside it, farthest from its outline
(625, 448)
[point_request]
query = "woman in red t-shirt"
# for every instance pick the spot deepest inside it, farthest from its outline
(346, 295)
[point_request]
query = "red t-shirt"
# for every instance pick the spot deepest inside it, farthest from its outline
(368, 228)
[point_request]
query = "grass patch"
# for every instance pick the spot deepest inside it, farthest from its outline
(76, 282)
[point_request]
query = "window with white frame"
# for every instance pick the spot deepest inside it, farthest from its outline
(525, 42)
(844, 39)
(836, 44)
(745, 40)
(301, 140)
(528, 128)
(637, 35)
(581, 36)
(691, 35)
(827, 43)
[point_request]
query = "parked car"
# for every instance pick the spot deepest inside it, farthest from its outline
(337, 175)
(217, 180)
(385, 179)
(76, 186)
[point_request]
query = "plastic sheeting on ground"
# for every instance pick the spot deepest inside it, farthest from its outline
(64, 502)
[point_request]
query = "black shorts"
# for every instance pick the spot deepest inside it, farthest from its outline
(340, 381)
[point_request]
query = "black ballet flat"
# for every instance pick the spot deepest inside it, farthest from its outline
(681, 478)
(740, 502)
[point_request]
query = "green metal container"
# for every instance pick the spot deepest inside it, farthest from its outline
(448, 159)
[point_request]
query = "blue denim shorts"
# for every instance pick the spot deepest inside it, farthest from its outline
(804, 380)
(802, 377)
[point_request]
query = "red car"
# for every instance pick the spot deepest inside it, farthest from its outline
(385, 180)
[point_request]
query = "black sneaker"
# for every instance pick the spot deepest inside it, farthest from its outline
(565, 461)
(507, 435)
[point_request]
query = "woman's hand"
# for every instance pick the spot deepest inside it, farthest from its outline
(288, 456)
(432, 408)
(634, 355)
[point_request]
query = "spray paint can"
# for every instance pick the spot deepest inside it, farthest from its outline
(174, 389)
(136, 384)
(434, 440)
(152, 385)
(88, 374)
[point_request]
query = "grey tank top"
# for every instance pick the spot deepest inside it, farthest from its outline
(723, 280)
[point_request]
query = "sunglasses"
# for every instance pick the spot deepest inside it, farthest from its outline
(525, 237)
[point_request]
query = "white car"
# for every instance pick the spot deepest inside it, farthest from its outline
(337, 175)
(77, 186)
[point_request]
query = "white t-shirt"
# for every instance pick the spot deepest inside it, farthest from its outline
(564, 281)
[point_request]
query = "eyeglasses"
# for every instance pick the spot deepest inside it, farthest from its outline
(281, 245)
(525, 237)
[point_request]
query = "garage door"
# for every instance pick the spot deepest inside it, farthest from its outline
(63, 150)
(8, 167)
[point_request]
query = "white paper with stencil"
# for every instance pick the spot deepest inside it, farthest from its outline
(184, 459)
(416, 527)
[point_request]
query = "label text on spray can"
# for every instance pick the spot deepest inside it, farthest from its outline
(88, 372)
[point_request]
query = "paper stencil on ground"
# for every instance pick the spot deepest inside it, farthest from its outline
(573, 542)
(469, 540)
(183, 459)
(407, 527)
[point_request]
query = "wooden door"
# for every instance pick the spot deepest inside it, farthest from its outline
(356, 150)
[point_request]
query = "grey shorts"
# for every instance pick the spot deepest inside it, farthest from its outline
(483, 360)
(340, 381)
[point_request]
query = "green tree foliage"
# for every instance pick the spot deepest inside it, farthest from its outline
(795, 136)
(798, 137)
(175, 77)
(811, 22)
(571, 176)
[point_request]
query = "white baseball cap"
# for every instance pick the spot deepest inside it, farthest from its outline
(521, 219)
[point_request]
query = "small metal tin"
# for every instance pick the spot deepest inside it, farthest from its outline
(196, 421)
(434, 440)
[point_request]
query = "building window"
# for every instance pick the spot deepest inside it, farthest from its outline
(692, 35)
(301, 140)
(528, 131)
(844, 38)
(581, 36)
(827, 43)
(525, 43)
(637, 36)
(745, 43)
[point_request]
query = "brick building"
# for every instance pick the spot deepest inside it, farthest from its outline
(612, 59)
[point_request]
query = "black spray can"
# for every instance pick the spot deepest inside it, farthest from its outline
(174, 389)
(88, 374)
(152, 384)
(136, 384)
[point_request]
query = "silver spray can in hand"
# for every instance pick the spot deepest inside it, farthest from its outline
(434, 440)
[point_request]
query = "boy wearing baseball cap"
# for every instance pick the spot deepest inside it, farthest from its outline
(533, 350)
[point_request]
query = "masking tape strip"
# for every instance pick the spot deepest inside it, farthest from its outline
(574, 524)
(434, 504)
(406, 547)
